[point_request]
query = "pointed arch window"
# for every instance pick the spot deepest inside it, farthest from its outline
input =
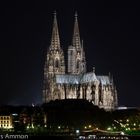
(56, 63)
(78, 64)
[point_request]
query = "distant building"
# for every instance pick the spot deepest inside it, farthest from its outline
(76, 82)
(5, 121)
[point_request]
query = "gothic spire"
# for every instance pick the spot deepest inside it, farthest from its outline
(55, 41)
(76, 35)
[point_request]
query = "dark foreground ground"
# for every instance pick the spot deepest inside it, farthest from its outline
(72, 138)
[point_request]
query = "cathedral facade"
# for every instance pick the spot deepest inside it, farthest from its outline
(76, 82)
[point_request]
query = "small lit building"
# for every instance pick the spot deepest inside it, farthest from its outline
(5, 121)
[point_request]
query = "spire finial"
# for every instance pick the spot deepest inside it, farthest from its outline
(93, 69)
(76, 15)
(54, 14)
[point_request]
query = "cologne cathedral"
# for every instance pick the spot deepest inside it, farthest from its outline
(76, 82)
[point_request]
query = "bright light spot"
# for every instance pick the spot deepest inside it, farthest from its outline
(122, 125)
(59, 127)
(127, 120)
(122, 133)
(134, 124)
(85, 127)
(89, 126)
(77, 131)
(114, 127)
(91, 136)
(32, 126)
(97, 128)
(27, 127)
(82, 137)
(109, 128)
(127, 124)
(14, 114)
(33, 105)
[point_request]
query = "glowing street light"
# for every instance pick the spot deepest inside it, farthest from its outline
(77, 131)
(127, 120)
(89, 126)
(109, 128)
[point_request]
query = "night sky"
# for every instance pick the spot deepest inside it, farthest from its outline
(111, 34)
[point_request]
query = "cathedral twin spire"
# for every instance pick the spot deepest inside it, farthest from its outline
(76, 35)
(76, 56)
(55, 40)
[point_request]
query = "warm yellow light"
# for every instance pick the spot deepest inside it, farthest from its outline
(122, 133)
(32, 126)
(127, 124)
(109, 128)
(89, 126)
(127, 120)
(85, 127)
(134, 124)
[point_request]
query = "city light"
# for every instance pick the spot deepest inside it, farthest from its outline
(109, 128)
(127, 120)
(89, 126)
(77, 131)
(122, 133)
(134, 124)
